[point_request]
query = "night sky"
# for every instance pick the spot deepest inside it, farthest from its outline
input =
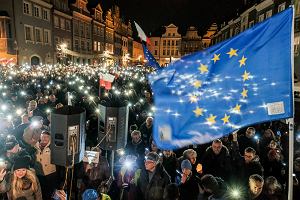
(151, 15)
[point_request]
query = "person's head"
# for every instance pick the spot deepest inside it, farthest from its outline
(12, 145)
(186, 167)
(171, 192)
(209, 183)
(250, 132)
(273, 154)
(25, 119)
(217, 146)
(151, 161)
(297, 164)
(52, 98)
(32, 105)
(191, 155)
(133, 127)
(153, 146)
(90, 194)
(268, 133)
(45, 138)
(272, 186)
(249, 154)
(136, 136)
(59, 105)
(167, 153)
(256, 183)
(41, 101)
(21, 166)
(149, 121)
(273, 144)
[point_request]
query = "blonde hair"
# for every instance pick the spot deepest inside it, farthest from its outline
(17, 184)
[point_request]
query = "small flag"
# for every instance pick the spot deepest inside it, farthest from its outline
(106, 80)
(151, 60)
(142, 34)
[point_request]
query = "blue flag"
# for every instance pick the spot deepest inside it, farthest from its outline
(151, 60)
(242, 81)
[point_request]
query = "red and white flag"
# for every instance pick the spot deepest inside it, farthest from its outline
(142, 34)
(106, 80)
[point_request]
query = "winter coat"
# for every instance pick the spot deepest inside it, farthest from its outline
(43, 166)
(170, 165)
(146, 133)
(151, 189)
(245, 170)
(136, 149)
(190, 189)
(5, 186)
(217, 165)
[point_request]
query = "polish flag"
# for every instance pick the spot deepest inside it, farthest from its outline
(142, 34)
(106, 80)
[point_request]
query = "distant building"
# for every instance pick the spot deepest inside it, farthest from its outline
(206, 39)
(191, 42)
(138, 53)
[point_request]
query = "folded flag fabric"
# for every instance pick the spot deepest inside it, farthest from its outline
(106, 80)
(242, 81)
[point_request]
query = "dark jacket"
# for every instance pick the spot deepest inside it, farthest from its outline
(170, 165)
(136, 149)
(190, 189)
(146, 133)
(151, 189)
(217, 165)
(245, 170)
(245, 142)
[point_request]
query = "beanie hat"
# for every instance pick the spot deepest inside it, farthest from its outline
(210, 182)
(186, 164)
(10, 142)
(90, 194)
(152, 156)
(22, 162)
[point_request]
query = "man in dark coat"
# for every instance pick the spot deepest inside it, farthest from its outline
(152, 179)
(246, 165)
(146, 130)
(136, 146)
(216, 160)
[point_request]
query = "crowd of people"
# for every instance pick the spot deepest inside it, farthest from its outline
(250, 163)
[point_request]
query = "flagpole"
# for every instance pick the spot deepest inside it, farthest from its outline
(291, 120)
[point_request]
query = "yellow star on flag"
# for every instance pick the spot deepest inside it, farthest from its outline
(242, 61)
(203, 68)
(246, 75)
(232, 52)
(211, 119)
(198, 111)
(237, 108)
(244, 93)
(193, 99)
(225, 119)
(197, 84)
(216, 57)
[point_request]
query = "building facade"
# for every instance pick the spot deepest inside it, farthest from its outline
(191, 42)
(137, 53)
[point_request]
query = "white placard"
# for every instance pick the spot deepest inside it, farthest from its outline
(276, 108)
(91, 157)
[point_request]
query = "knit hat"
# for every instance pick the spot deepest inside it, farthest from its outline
(10, 142)
(209, 182)
(22, 162)
(186, 164)
(152, 156)
(90, 194)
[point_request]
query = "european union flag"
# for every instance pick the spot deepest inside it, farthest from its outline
(242, 81)
(151, 60)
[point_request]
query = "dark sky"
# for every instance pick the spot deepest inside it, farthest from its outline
(151, 15)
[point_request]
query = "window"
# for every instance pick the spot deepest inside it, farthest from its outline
(155, 43)
(38, 35)
(169, 34)
(176, 52)
(26, 8)
(62, 24)
(46, 14)
(81, 29)
(164, 42)
(173, 34)
(164, 52)
(56, 22)
(76, 44)
(251, 24)
(47, 37)
(82, 45)
(172, 42)
(99, 46)
(95, 46)
(155, 52)
(76, 30)
(37, 11)
(168, 42)
(87, 28)
(261, 18)
(95, 30)
(68, 25)
(281, 7)
(88, 46)
(28, 33)
(172, 52)
(268, 14)
(176, 42)
(168, 52)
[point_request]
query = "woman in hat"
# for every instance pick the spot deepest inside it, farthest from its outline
(22, 182)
